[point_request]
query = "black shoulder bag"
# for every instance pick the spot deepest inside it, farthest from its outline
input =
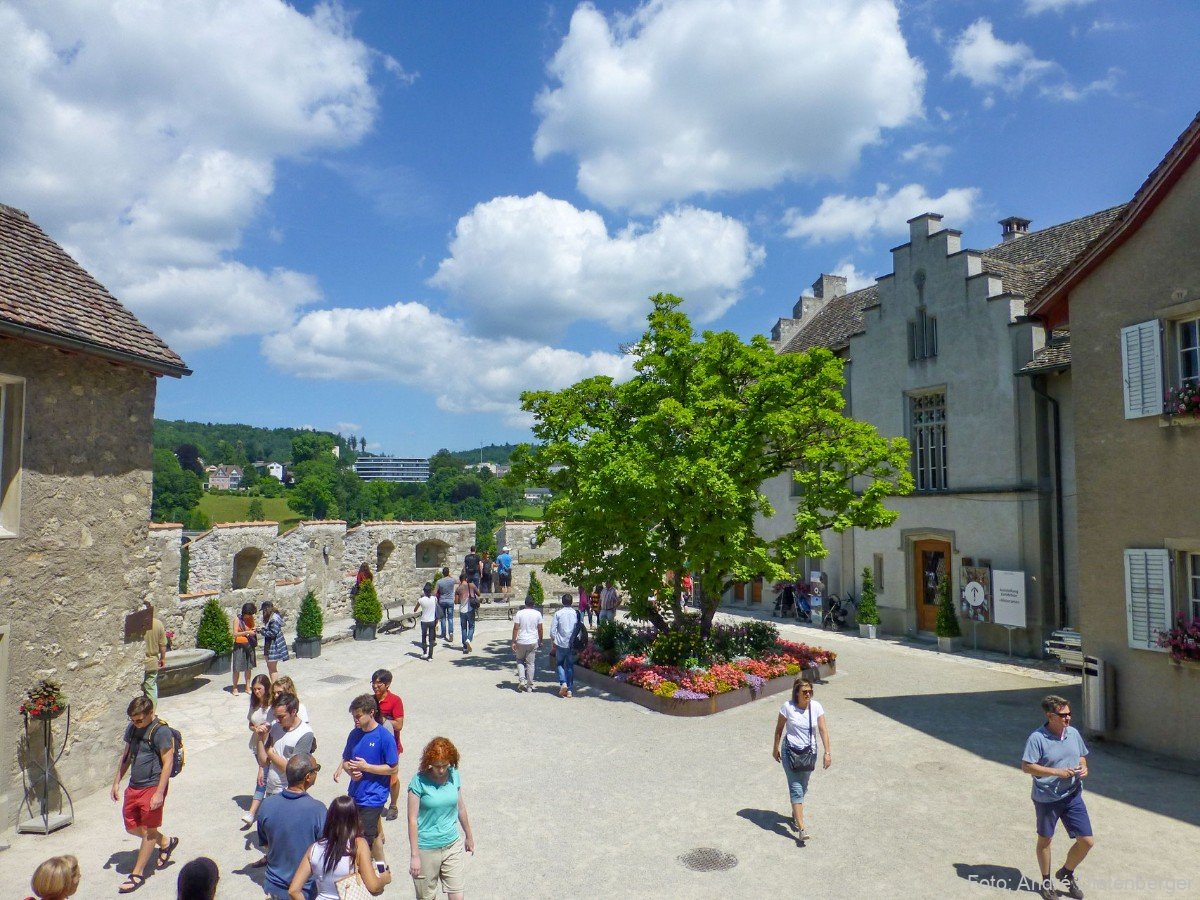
(803, 760)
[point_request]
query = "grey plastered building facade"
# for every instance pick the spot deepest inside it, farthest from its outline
(933, 356)
(1132, 303)
(77, 384)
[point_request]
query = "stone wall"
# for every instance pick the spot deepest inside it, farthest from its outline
(530, 554)
(80, 558)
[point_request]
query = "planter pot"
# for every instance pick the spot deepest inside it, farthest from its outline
(182, 668)
(949, 645)
(364, 632)
(868, 631)
(221, 664)
(1193, 664)
(308, 648)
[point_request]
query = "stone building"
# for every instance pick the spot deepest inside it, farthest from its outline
(1132, 306)
(932, 353)
(77, 383)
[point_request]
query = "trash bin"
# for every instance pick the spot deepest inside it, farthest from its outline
(1095, 696)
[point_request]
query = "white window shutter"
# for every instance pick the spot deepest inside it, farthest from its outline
(1147, 596)
(1141, 369)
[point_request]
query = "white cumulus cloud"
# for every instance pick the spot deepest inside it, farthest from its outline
(410, 344)
(987, 61)
(686, 97)
(1037, 7)
(885, 212)
(144, 136)
(532, 265)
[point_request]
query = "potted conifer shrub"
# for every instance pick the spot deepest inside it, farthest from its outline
(536, 591)
(868, 611)
(309, 626)
(949, 634)
(367, 611)
(214, 634)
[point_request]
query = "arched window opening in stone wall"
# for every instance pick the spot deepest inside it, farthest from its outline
(382, 554)
(431, 554)
(245, 564)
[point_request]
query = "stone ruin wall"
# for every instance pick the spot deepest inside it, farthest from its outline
(530, 555)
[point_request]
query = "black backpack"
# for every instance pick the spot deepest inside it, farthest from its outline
(471, 565)
(487, 568)
(579, 637)
(178, 758)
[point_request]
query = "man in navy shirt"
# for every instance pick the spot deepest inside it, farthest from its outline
(371, 757)
(1056, 756)
(288, 823)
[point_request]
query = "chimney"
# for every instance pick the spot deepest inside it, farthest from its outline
(1014, 227)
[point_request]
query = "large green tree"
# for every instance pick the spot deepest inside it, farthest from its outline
(176, 489)
(663, 473)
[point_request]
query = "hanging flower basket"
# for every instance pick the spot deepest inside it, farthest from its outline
(44, 700)
(1182, 641)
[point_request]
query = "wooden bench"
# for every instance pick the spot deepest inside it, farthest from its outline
(401, 620)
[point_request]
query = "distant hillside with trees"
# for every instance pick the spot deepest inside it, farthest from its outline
(236, 445)
(493, 453)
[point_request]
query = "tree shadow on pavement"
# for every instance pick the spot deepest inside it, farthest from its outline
(768, 820)
(995, 724)
(1004, 878)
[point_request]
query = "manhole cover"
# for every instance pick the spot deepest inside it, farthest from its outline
(708, 859)
(339, 679)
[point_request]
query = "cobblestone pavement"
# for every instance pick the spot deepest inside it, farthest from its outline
(598, 796)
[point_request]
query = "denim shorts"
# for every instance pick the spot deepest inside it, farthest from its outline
(797, 781)
(1071, 810)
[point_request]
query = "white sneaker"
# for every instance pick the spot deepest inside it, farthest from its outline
(247, 821)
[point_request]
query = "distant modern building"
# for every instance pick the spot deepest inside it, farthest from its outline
(537, 494)
(391, 468)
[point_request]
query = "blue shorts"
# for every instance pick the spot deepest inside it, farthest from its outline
(1071, 810)
(797, 781)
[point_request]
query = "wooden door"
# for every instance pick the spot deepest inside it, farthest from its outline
(756, 587)
(739, 591)
(931, 563)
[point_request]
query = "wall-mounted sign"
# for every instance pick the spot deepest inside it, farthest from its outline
(976, 602)
(1009, 601)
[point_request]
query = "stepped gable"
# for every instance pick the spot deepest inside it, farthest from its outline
(46, 296)
(1054, 356)
(833, 326)
(1029, 262)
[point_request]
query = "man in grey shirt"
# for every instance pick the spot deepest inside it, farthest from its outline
(445, 596)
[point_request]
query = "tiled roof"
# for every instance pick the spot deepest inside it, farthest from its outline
(46, 296)
(1027, 263)
(1056, 354)
(835, 322)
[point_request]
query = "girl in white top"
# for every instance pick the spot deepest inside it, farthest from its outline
(803, 718)
(260, 714)
(342, 850)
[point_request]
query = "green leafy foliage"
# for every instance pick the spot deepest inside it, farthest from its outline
(255, 512)
(868, 610)
(673, 648)
(176, 489)
(214, 632)
(752, 639)
(536, 591)
(367, 609)
(676, 458)
(947, 619)
(618, 639)
(311, 621)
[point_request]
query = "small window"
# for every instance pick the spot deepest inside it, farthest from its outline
(877, 568)
(795, 488)
(1147, 597)
(1193, 595)
(1142, 370)
(922, 336)
(1188, 337)
(12, 423)
(927, 429)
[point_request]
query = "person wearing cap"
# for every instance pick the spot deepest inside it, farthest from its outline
(504, 570)
(272, 636)
(289, 823)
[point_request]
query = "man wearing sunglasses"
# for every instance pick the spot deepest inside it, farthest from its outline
(1056, 756)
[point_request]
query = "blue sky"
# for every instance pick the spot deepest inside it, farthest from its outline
(389, 217)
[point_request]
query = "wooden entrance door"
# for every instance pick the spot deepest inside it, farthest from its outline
(931, 563)
(756, 590)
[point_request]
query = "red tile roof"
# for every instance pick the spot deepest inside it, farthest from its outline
(47, 297)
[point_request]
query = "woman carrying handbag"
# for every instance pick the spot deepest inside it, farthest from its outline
(340, 862)
(803, 718)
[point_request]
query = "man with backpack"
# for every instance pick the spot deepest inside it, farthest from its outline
(149, 756)
(472, 567)
(566, 631)
(486, 573)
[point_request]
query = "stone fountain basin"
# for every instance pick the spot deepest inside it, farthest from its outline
(182, 667)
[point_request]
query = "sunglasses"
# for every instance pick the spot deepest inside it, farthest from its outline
(1062, 715)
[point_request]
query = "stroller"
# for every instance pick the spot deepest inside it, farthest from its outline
(789, 607)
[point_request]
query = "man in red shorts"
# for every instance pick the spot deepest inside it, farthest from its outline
(391, 712)
(147, 755)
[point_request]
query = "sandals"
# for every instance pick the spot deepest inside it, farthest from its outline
(134, 882)
(164, 853)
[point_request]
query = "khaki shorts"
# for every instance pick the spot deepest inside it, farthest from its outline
(447, 864)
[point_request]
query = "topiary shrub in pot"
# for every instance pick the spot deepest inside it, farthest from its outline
(949, 634)
(367, 612)
(868, 611)
(309, 627)
(214, 634)
(536, 591)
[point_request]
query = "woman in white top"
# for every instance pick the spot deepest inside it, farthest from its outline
(341, 851)
(803, 718)
(260, 714)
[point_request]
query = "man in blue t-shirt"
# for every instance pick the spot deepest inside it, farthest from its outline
(372, 758)
(504, 570)
(1056, 756)
(288, 823)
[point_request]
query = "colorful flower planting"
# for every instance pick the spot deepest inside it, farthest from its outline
(731, 657)
(1182, 641)
(43, 701)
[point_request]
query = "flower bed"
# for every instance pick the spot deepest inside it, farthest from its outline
(692, 688)
(1182, 641)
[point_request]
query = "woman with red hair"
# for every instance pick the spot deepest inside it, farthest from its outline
(435, 810)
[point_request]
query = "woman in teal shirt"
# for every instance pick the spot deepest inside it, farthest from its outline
(435, 810)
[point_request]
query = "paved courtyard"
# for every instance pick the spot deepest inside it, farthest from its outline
(597, 796)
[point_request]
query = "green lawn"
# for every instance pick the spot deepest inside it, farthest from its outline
(527, 511)
(229, 508)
